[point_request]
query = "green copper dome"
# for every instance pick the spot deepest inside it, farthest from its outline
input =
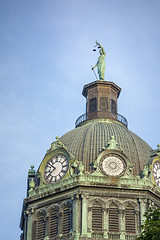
(86, 142)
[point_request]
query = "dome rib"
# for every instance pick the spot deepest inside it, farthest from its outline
(137, 165)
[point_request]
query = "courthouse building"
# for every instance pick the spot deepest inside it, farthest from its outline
(94, 182)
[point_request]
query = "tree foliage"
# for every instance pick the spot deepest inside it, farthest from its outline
(151, 227)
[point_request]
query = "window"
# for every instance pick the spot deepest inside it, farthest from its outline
(40, 228)
(66, 220)
(113, 106)
(130, 220)
(92, 104)
(97, 217)
(53, 224)
(113, 219)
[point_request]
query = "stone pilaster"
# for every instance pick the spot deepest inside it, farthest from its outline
(143, 208)
(84, 215)
(29, 223)
(106, 223)
(122, 224)
(76, 215)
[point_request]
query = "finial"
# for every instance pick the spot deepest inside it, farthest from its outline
(81, 168)
(31, 185)
(145, 171)
(156, 152)
(113, 144)
(56, 145)
(31, 172)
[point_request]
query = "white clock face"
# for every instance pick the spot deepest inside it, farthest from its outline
(56, 168)
(156, 172)
(113, 166)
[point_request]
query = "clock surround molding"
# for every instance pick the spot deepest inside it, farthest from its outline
(50, 156)
(112, 165)
(118, 154)
(155, 160)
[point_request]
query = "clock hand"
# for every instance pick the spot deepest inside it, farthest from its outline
(53, 169)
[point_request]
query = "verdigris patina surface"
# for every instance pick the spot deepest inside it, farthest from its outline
(101, 62)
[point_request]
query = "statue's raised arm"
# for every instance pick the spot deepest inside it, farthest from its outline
(98, 44)
(101, 62)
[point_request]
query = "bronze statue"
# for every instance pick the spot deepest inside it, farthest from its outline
(101, 62)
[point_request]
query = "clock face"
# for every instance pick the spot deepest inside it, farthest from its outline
(56, 168)
(112, 166)
(156, 172)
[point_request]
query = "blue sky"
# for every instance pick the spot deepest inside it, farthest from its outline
(45, 59)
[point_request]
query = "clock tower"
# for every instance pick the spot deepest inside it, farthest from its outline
(94, 182)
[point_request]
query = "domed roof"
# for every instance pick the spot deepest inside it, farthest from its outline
(86, 142)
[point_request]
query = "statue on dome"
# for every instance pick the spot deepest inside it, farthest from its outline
(101, 62)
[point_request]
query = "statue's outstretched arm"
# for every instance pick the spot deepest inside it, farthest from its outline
(94, 66)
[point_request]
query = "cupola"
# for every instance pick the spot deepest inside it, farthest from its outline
(101, 102)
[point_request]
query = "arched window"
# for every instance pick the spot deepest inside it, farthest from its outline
(67, 219)
(113, 218)
(97, 217)
(40, 228)
(130, 220)
(53, 224)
